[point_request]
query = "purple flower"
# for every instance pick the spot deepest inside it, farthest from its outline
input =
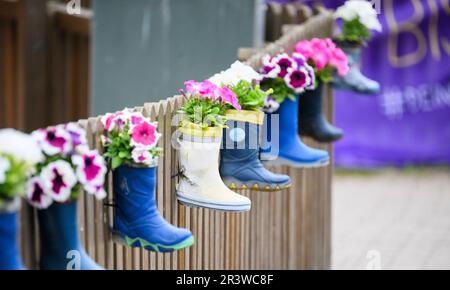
(284, 62)
(77, 134)
(36, 194)
(270, 105)
(297, 79)
(58, 179)
(270, 69)
(54, 140)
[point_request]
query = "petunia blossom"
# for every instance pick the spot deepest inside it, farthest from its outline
(297, 79)
(142, 156)
(77, 134)
(229, 97)
(284, 62)
(144, 135)
(270, 69)
(90, 170)
(58, 179)
(54, 140)
(36, 194)
(270, 105)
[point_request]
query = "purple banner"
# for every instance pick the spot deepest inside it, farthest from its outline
(409, 122)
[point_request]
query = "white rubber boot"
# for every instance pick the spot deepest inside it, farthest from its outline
(201, 184)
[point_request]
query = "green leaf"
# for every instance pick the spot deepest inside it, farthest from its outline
(116, 162)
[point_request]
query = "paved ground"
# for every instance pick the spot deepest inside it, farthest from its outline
(392, 220)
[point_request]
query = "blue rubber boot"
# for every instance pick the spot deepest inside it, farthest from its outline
(312, 121)
(282, 144)
(60, 246)
(355, 80)
(9, 250)
(240, 167)
(137, 221)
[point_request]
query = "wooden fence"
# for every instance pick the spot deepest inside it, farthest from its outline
(285, 230)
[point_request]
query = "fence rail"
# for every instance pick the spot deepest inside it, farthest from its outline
(285, 230)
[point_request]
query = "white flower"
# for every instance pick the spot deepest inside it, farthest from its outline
(36, 195)
(58, 180)
(362, 10)
(141, 155)
(21, 146)
(4, 167)
(236, 73)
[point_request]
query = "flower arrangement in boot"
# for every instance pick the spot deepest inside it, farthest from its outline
(327, 60)
(19, 155)
(204, 117)
(359, 19)
(130, 142)
(288, 76)
(240, 166)
(69, 166)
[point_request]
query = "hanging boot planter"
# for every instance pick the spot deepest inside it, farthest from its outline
(359, 18)
(312, 121)
(326, 59)
(201, 136)
(131, 144)
(288, 77)
(240, 166)
(69, 168)
(19, 153)
(9, 229)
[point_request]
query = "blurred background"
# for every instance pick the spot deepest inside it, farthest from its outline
(391, 199)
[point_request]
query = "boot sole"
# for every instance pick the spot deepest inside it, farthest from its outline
(199, 204)
(235, 185)
(158, 248)
(284, 162)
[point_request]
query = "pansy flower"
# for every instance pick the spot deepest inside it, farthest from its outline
(54, 140)
(144, 135)
(36, 194)
(58, 179)
(90, 170)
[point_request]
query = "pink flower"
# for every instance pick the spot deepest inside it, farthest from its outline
(207, 89)
(193, 87)
(229, 97)
(143, 156)
(91, 171)
(115, 121)
(320, 60)
(144, 135)
(323, 53)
